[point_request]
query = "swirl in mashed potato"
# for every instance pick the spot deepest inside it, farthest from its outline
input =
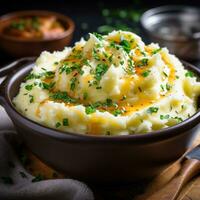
(109, 85)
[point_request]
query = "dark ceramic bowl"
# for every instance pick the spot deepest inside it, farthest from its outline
(176, 27)
(99, 159)
(19, 47)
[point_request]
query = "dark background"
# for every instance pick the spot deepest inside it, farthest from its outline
(85, 13)
(89, 13)
(85, 10)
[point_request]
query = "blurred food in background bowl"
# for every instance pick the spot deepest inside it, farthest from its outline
(176, 27)
(28, 33)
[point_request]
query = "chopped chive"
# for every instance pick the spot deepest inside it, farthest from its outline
(62, 96)
(164, 117)
(73, 83)
(100, 70)
(156, 51)
(121, 62)
(168, 86)
(58, 124)
(162, 87)
(165, 74)
(89, 110)
(65, 122)
(143, 62)
(29, 87)
(97, 35)
(179, 119)
(117, 112)
(189, 74)
(125, 45)
(46, 86)
(146, 73)
(31, 98)
(152, 110)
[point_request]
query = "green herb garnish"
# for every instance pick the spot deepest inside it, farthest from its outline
(121, 62)
(65, 122)
(146, 73)
(49, 74)
(58, 124)
(31, 98)
(143, 62)
(130, 68)
(97, 35)
(151, 110)
(162, 87)
(89, 110)
(117, 112)
(46, 86)
(189, 74)
(33, 76)
(73, 83)
(68, 69)
(168, 87)
(125, 45)
(164, 117)
(179, 119)
(63, 96)
(156, 51)
(100, 70)
(29, 87)
(165, 74)
(114, 45)
(95, 55)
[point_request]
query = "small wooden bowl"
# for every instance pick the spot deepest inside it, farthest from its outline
(20, 47)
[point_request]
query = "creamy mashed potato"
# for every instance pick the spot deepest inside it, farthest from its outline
(109, 85)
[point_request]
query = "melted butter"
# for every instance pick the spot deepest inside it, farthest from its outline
(138, 52)
(137, 106)
(139, 70)
(48, 80)
(148, 49)
(144, 102)
(141, 103)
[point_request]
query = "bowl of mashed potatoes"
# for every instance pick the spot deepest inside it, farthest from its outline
(108, 109)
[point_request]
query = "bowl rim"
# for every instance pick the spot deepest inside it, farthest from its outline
(42, 130)
(16, 14)
(167, 8)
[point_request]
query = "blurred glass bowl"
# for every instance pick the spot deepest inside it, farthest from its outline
(176, 27)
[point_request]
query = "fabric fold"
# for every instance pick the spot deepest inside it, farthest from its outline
(16, 183)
